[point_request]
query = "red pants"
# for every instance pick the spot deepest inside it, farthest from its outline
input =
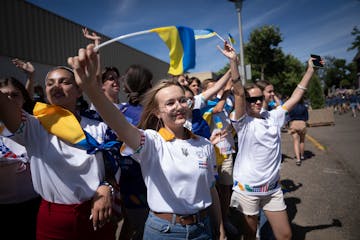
(70, 222)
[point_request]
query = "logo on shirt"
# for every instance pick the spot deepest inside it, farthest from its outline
(203, 164)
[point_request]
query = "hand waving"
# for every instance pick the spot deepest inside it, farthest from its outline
(228, 51)
(92, 36)
(27, 67)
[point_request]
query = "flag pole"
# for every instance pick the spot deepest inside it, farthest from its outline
(120, 38)
(230, 42)
(220, 37)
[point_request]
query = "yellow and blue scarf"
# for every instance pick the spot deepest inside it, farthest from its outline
(63, 124)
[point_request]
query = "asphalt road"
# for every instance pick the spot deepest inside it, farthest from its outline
(322, 195)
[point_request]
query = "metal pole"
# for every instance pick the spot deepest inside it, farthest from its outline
(238, 6)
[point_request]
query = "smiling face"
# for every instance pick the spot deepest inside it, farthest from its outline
(269, 93)
(61, 89)
(254, 102)
(172, 106)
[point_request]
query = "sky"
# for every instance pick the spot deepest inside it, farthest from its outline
(306, 26)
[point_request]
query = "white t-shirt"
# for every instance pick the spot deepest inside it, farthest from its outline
(257, 164)
(178, 173)
(227, 146)
(15, 177)
(61, 172)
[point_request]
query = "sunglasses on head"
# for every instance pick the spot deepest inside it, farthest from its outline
(255, 99)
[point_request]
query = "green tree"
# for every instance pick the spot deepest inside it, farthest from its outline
(262, 48)
(356, 43)
(315, 93)
(339, 74)
(286, 79)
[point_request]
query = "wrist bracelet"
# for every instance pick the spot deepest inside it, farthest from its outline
(105, 183)
(301, 87)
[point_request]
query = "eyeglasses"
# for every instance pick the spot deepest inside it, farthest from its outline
(171, 104)
(255, 99)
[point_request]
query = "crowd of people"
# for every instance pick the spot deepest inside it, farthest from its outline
(343, 101)
(169, 163)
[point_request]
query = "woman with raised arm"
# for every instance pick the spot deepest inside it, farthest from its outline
(177, 166)
(257, 164)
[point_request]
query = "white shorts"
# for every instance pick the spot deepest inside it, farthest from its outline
(251, 205)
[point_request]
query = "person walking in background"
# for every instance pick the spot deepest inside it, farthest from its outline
(257, 164)
(19, 203)
(298, 117)
(353, 99)
(76, 202)
(172, 159)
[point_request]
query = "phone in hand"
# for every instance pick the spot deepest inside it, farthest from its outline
(316, 62)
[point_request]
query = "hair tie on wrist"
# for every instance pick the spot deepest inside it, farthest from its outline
(301, 87)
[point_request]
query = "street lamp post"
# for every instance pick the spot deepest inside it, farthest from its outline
(238, 6)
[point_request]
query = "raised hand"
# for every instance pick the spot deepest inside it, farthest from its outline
(27, 67)
(92, 36)
(85, 66)
(228, 51)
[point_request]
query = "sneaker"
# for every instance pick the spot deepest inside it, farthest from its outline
(298, 162)
(302, 158)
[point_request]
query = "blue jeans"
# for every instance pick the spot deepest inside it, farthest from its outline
(159, 229)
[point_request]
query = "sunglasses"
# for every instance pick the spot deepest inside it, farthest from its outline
(255, 99)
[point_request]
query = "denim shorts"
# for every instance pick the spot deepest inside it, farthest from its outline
(159, 229)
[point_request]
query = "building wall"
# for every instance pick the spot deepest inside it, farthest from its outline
(47, 40)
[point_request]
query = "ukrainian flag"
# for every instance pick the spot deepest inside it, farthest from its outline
(232, 40)
(181, 43)
(204, 33)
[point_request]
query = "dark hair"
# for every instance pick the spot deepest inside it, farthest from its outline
(28, 102)
(192, 79)
(206, 82)
(137, 80)
(106, 70)
(262, 84)
(60, 67)
(249, 86)
(187, 89)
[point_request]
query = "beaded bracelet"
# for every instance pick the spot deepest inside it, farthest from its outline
(301, 87)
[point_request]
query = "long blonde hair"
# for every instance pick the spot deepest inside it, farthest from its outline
(149, 119)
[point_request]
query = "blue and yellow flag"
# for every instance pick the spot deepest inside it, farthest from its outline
(204, 33)
(181, 43)
(231, 39)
